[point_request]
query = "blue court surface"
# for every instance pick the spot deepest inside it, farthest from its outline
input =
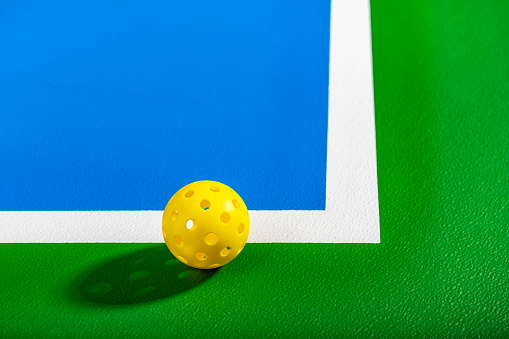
(115, 107)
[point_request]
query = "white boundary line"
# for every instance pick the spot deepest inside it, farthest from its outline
(351, 213)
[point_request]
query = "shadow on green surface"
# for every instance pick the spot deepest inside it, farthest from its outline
(143, 276)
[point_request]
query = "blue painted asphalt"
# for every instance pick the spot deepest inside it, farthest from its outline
(115, 107)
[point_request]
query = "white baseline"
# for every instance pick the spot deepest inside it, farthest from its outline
(351, 213)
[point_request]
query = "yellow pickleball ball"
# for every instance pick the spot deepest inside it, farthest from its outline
(205, 224)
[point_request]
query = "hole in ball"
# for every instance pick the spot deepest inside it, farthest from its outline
(189, 224)
(225, 251)
(178, 241)
(225, 217)
(200, 256)
(205, 204)
(211, 238)
(214, 189)
(174, 215)
(235, 203)
(189, 194)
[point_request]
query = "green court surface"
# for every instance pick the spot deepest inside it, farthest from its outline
(441, 71)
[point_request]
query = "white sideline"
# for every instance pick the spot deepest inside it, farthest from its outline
(351, 213)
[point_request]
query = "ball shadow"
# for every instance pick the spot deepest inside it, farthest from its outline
(139, 277)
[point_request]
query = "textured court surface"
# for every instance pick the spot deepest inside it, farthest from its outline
(440, 72)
